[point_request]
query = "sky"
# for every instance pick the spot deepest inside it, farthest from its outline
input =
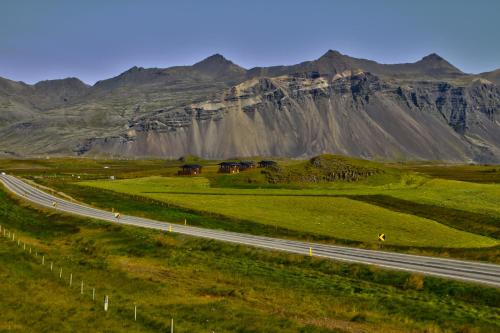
(95, 40)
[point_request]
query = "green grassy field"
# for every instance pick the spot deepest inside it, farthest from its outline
(210, 286)
(419, 212)
(314, 211)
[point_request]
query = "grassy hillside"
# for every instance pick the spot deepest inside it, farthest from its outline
(210, 286)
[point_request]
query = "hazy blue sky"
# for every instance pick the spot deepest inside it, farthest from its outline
(92, 40)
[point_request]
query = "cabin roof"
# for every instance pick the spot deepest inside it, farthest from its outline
(229, 164)
(191, 166)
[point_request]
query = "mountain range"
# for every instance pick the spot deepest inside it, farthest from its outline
(426, 110)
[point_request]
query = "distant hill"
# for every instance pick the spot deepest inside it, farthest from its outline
(493, 76)
(337, 104)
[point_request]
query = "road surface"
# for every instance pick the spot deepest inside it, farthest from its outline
(448, 268)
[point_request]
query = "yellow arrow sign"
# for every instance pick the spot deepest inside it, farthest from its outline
(381, 237)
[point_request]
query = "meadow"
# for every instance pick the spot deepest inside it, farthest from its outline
(209, 286)
(213, 286)
(418, 211)
(327, 212)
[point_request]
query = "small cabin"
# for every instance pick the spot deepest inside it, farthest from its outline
(266, 163)
(229, 167)
(245, 165)
(190, 169)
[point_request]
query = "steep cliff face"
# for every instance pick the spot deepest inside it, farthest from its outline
(303, 115)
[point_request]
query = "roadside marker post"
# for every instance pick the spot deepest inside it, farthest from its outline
(51, 264)
(185, 222)
(43, 260)
(310, 252)
(106, 303)
(169, 228)
(60, 273)
(70, 279)
(381, 239)
(93, 294)
(135, 312)
(81, 289)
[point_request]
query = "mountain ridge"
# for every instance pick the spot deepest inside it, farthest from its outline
(424, 59)
(336, 104)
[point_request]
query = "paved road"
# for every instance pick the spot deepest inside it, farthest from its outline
(447, 268)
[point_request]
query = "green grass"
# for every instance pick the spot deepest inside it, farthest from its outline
(467, 173)
(305, 211)
(159, 210)
(208, 285)
(456, 218)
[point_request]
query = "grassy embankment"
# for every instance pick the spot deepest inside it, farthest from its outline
(210, 286)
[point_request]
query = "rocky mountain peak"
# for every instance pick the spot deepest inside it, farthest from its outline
(435, 62)
(433, 57)
(218, 66)
(214, 61)
(332, 54)
(215, 58)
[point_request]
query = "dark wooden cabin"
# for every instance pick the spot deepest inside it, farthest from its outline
(190, 169)
(266, 163)
(229, 167)
(245, 165)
